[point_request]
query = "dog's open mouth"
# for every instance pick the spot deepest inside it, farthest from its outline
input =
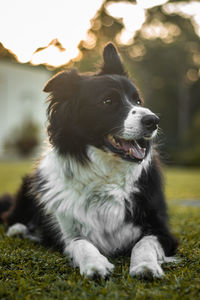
(134, 150)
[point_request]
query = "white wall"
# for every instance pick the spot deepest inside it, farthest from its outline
(21, 97)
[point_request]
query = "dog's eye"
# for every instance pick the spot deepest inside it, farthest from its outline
(107, 101)
(136, 99)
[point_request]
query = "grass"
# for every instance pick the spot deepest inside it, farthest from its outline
(182, 183)
(11, 173)
(29, 271)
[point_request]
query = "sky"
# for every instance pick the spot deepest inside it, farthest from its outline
(26, 25)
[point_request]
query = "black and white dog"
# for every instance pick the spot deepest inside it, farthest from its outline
(97, 191)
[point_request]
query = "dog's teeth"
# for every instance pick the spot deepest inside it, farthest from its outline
(138, 145)
(130, 152)
(113, 141)
(110, 137)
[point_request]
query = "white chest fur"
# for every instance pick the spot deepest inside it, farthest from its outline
(89, 201)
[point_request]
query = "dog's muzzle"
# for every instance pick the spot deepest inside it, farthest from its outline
(132, 146)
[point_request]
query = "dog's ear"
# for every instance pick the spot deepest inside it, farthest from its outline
(63, 82)
(112, 62)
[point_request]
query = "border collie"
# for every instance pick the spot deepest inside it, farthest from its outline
(97, 191)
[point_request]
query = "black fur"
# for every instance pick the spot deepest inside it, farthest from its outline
(27, 211)
(81, 110)
(5, 203)
(77, 118)
(151, 210)
(112, 63)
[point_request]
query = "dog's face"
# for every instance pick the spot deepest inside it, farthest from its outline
(103, 110)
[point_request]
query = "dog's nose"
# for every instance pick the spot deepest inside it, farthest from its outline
(150, 122)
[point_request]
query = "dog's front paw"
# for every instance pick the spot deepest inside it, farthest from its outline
(17, 229)
(146, 270)
(100, 267)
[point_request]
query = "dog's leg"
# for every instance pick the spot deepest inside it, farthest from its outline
(88, 258)
(146, 258)
(21, 230)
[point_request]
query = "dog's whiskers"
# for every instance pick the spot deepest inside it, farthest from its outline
(120, 128)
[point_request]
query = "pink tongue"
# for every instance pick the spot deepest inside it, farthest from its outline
(136, 152)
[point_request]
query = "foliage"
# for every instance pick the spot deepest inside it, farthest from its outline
(165, 64)
(23, 139)
(164, 72)
(6, 54)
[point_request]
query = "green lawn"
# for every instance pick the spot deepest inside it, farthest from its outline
(182, 183)
(29, 271)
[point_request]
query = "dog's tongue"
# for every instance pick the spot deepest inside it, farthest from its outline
(137, 152)
(134, 149)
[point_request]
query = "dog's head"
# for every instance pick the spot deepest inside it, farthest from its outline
(104, 110)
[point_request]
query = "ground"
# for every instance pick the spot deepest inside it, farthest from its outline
(29, 271)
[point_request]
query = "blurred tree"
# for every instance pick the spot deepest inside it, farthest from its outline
(54, 42)
(23, 139)
(167, 68)
(6, 54)
(164, 59)
(104, 28)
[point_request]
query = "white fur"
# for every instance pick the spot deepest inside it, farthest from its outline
(91, 201)
(88, 201)
(88, 204)
(19, 229)
(146, 258)
(88, 258)
(132, 124)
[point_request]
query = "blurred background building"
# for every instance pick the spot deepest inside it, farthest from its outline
(159, 42)
(22, 107)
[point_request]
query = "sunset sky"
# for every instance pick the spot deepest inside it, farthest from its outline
(26, 25)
